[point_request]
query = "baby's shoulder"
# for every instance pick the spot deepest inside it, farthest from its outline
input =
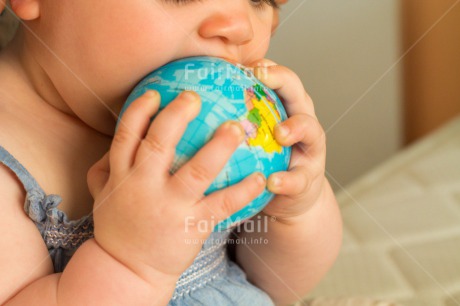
(16, 139)
(24, 260)
(11, 189)
(14, 135)
(19, 235)
(22, 127)
(13, 118)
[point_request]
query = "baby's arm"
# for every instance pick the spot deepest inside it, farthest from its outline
(297, 255)
(305, 239)
(92, 277)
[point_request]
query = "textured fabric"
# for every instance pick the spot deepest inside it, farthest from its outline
(212, 279)
(347, 301)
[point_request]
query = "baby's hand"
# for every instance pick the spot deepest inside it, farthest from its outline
(300, 187)
(141, 212)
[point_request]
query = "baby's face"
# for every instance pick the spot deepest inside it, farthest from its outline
(111, 44)
(97, 51)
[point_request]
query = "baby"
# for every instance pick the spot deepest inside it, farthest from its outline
(94, 217)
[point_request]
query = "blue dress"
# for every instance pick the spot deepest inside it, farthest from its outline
(212, 279)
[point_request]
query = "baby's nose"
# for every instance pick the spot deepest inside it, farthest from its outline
(232, 24)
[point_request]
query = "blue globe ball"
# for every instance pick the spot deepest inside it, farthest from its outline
(228, 92)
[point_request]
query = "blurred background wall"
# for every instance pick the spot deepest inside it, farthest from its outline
(432, 68)
(346, 53)
(382, 73)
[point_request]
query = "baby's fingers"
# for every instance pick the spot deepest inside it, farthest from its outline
(287, 85)
(290, 183)
(221, 204)
(159, 145)
(194, 178)
(303, 130)
(130, 131)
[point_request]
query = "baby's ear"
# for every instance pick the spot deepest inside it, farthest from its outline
(26, 9)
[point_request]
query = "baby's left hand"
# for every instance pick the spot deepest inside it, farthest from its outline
(299, 188)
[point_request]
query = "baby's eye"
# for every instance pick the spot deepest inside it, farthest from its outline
(260, 4)
(181, 1)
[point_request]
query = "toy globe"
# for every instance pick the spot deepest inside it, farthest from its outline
(228, 92)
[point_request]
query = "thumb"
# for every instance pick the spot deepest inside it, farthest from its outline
(98, 175)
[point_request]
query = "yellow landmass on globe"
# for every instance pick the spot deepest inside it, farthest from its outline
(270, 117)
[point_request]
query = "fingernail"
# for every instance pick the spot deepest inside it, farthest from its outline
(261, 72)
(189, 95)
(282, 130)
(237, 129)
(260, 179)
(275, 181)
(151, 94)
(192, 100)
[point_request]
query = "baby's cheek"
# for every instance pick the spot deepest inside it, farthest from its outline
(258, 48)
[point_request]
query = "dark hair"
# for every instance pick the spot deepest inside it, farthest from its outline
(8, 26)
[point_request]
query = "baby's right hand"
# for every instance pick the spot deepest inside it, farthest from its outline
(141, 210)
